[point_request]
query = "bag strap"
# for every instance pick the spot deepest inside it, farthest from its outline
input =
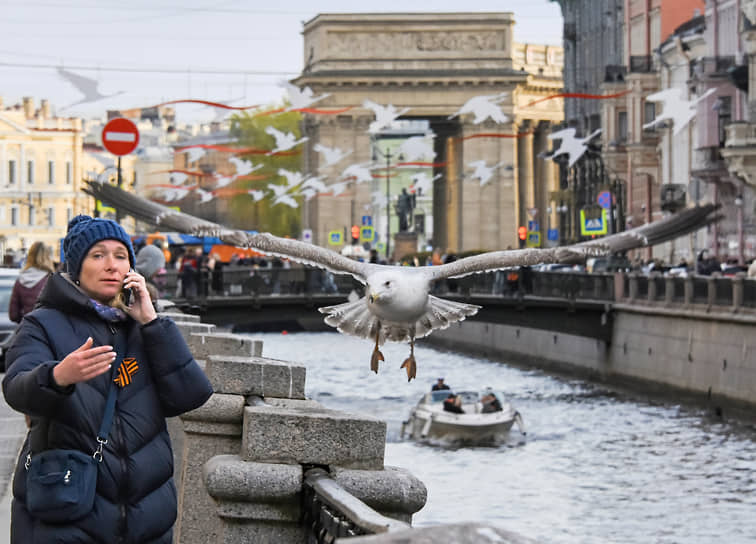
(107, 417)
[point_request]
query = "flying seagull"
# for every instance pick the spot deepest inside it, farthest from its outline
(397, 305)
(86, 86)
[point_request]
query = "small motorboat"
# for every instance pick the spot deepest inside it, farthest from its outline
(470, 418)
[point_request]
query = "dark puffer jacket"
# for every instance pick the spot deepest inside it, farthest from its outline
(136, 497)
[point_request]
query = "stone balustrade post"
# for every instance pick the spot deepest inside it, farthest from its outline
(688, 290)
(632, 286)
(619, 286)
(651, 291)
(711, 289)
(669, 290)
(738, 291)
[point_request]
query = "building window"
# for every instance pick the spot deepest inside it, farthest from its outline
(51, 172)
(30, 172)
(32, 215)
(724, 117)
(594, 122)
(50, 216)
(622, 127)
(11, 172)
(14, 216)
(69, 215)
(69, 172)
(649, 112)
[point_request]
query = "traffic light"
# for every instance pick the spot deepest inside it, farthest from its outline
(355, 233)
(522, 234)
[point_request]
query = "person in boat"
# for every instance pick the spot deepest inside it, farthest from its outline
(440, 385)
(453, 403)
(490, 403)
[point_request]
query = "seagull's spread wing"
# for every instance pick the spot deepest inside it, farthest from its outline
(157, 214)
(669, 228)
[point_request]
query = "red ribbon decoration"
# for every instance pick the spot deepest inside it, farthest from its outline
(423, 164)
(205, 102)
(315, 111)
(495, 135)
(580, 95)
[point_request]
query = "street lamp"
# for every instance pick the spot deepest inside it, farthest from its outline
(388, 155)
(741, 240)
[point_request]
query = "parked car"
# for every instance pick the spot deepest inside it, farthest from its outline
(7, 279)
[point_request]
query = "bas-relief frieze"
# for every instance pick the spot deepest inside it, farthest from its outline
(393, 44)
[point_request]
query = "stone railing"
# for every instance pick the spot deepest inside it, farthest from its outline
(242, 457)
(709, 293)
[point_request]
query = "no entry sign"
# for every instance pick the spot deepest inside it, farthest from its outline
(120, 136)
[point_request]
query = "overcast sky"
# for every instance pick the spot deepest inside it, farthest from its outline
(151, 51)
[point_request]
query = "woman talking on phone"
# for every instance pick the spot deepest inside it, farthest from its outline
(81, 342)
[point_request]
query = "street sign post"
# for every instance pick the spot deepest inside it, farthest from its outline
(120, 136)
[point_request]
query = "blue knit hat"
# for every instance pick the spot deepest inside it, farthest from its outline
(83, 233)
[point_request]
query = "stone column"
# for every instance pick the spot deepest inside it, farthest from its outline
(525, 172)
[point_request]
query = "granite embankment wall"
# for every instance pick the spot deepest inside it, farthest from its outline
(710, 356)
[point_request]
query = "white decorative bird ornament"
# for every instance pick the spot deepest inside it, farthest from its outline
(573, 147)
(384, 115)
(675, 108)
(483, 107)
(284, 141)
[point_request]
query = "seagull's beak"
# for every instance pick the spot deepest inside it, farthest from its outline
(373, 297)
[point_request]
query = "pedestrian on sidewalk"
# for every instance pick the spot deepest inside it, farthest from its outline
(59, 372)
(30, 281)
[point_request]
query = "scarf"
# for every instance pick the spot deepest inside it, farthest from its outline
(108, 313)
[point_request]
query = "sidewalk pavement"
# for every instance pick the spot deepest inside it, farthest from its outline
(12, 433)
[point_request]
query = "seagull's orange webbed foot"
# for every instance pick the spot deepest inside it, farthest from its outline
(409, 364)
(376, 356)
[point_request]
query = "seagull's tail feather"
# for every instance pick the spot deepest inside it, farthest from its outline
(441, 313)
(353, 318)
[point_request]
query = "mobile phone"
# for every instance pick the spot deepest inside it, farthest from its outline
(126, 293)
(127, 297)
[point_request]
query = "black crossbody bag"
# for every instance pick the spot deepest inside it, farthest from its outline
(61, 484)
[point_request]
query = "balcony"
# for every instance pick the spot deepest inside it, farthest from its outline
(642, 64)
(711, 66)
(739, 152)
(707, 159)
(615, 74)
(741, 134)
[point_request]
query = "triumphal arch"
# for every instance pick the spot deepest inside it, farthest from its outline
(428, 66)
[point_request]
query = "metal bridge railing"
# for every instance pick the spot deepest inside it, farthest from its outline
(330, 512)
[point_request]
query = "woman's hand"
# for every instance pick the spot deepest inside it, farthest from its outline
(141, 307)
(83, 364)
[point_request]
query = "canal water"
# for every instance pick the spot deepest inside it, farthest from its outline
(597, 465)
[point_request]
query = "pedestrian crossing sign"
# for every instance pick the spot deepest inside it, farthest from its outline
(592, 224)
(533, 239)
(335, 237)
(367, 234)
